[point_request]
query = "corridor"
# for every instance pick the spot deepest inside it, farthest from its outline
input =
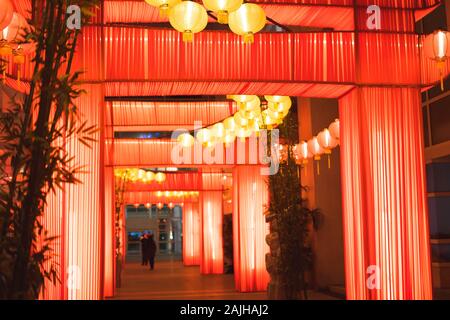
(172, 281)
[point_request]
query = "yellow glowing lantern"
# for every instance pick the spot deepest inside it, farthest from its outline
(229, 124)
(243, 132)
(334, 129)
(167, 194)
(437, 48)
(163, 5)
(247, 20)
(250, 105)
(240, 119)
(222, 8)
(218, 130)
(316, 150)
(204, 136)
(241, 98)
(171, 205)
(159, 194)
(229, 138)
(268, 120)
(160, 177)
(186, 140)
(148, 205)
(326, 142)
(149, 176)
(159, 205)
(188, 17)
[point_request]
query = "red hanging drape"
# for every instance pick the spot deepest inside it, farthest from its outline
(168, 116)
(211, 232)
(386, 233)
(250, 198)
(191, 234)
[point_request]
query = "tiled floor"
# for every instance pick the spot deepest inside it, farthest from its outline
(172, 281)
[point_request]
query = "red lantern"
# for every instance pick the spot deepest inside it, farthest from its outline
(6, 13)
(171, 205)
(437, 48)
(159, 205)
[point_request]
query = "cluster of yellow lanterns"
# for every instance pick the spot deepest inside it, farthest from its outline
(322, 143)
(139, 175)
(177, 194)
(189, 17)
(249, 119)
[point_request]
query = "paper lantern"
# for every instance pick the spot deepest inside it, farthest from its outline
(186, 140)
(240, 119)
(250, 105)
(159, 194)
(301, 153)
(189, 18)
(229, 124)
(148, 205)
(171, 205)
(222, 8)
(247, 20)
(218, 130)
(334, 129)
(243, 132)
(268, 120)
(229, 138)
(204, 136)
(315, 148)
(242, 98)
(160, 177)
(163, 5)
(149, 176)
(6, 13)
(326, 141)
(437, 48)
(159, 205)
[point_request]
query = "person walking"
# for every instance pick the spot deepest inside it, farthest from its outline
(144, 249)
(151, 251)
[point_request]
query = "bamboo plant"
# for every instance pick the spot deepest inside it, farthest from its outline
(33, 163)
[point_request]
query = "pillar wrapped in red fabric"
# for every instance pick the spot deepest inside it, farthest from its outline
(250, 196)
(191, 234)
(386, 235)
(212, 242)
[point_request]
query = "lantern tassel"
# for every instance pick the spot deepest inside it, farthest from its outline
(329, 161)
(441, 66)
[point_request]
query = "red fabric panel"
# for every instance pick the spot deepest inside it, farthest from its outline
(324, 57)
(386, 235)
(250, 197)
(191, 234)
(388, 59)
(212, 242)
(175, 114)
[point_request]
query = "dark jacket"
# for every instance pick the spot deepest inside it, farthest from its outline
(151, 246)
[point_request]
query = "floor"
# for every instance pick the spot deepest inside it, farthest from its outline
(172, 281)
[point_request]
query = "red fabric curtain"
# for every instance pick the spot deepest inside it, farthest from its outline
(145, 197)
(386, 235)
(168, 115)
(191, 234)
(211, 232)
(76, 214)
(250, 197)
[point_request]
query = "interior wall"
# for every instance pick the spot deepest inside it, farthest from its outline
(325, 192)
